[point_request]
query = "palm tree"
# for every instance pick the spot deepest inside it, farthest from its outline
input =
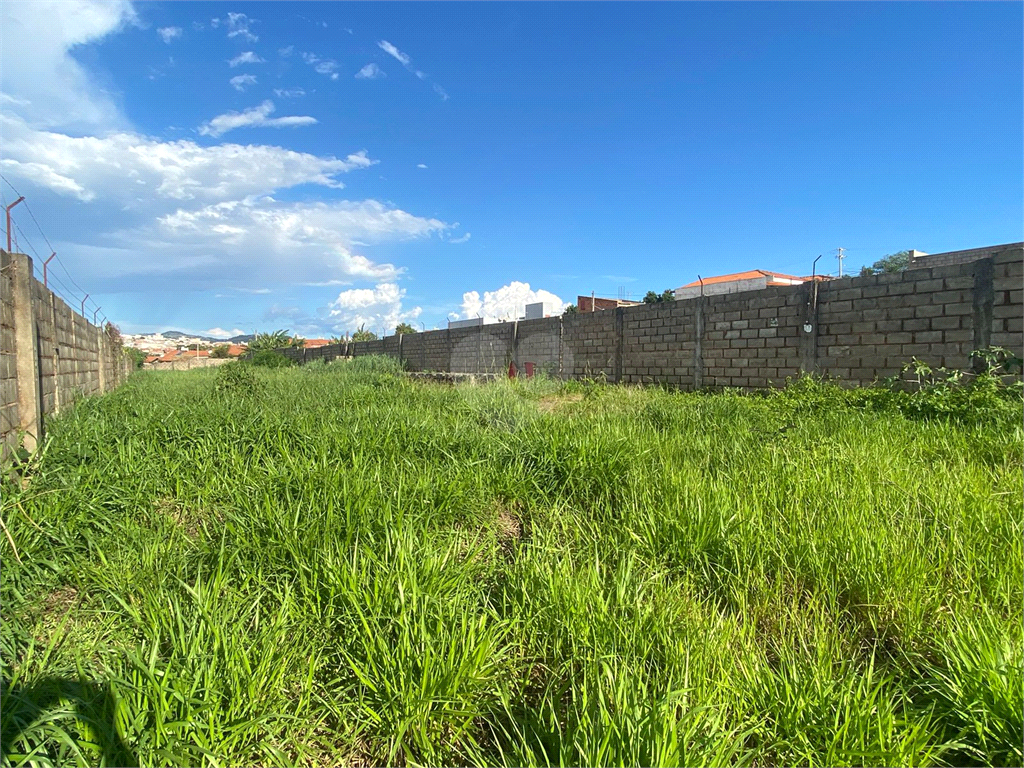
(274, 340)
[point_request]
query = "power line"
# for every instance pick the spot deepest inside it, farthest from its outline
(50, 245)
(71, 302)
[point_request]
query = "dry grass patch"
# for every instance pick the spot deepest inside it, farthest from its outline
(553, 403)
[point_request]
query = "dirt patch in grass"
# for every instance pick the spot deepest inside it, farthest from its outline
(189, 521)
(60, 601)
(553, 403)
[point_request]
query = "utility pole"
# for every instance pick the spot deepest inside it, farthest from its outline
(841, 256)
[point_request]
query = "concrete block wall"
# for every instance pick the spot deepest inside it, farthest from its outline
(658, 343)
(1007, 282)
(590, 344)
(858, 329)
(538, 342)
(10, 416)
(49, 355)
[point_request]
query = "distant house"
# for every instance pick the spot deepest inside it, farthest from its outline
(314, 343)
(236, 350)
(751, 280)
(194, 353)
(169, 356)
(596, 303)
(152, 358)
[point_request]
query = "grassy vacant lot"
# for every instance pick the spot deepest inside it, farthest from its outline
(335, 565)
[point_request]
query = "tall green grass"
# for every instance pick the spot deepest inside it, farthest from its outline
(336, 565)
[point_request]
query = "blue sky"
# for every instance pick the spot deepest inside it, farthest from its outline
(317, 166)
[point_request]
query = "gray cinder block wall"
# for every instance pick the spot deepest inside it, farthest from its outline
(857, 328)
(49, 355)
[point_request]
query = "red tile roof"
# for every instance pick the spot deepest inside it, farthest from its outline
(313, 343)
(169, 356)
(750, 274)
(236, 350)
(152, 358)
(194, 353)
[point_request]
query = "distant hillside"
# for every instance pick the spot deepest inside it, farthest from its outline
(178, 334)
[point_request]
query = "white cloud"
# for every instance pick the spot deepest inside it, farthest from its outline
(252, 118)
(220, 333)
(169, 33)
(38, 67)
(174, 215)
(393, 51)
(323, 66)
(287, 51)
(90, 166)
(463, 239)
(378, 308)
(406, 61)
(215, 23)
(370, 72)
(422, 165)
(289, 93)
(245, 245)
(238, 26)
(241, 82)
(508, 302)
(249, 57)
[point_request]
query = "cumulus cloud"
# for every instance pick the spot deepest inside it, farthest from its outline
(421, 165)
(152, 215)
(289, 93)
(378, 308)
(252, 118)
(249, 57)
(169, 33)
(38, 67)
(241, 82)
(508, 302)
(393, 51)
(370, 72)
(247, 244)
(125, 167)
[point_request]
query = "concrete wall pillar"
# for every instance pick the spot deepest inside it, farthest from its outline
(698, 350)
(618, 345)
(26, 352)
(982, 304)
(101, 356)
(809, 328)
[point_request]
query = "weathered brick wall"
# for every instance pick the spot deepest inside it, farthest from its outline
(858, 329)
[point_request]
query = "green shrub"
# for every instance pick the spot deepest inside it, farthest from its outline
(271, 359)
(238, 379)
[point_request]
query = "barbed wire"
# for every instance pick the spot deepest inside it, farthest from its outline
(69, 296)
